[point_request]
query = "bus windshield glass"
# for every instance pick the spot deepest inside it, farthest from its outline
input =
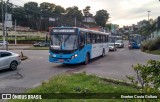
(135, 38)
(64, 42)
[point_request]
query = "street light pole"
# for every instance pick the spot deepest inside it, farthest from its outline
(148, 20)
(3, 23)
(6, 28)
(148, 14)
(75, 21)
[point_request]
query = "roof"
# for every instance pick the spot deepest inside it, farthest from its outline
(83, 29)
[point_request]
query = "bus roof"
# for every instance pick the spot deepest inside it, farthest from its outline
(86, 30)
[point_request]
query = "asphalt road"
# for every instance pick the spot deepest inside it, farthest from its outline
(36, 69)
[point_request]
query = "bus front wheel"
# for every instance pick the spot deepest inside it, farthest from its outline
(86, 59)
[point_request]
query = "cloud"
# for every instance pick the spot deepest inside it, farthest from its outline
(121, 11)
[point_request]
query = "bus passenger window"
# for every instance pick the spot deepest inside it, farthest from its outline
(88, 39)
(82, 39)
(93, 39)
(97, 38)
(100, 39)
(103, 38)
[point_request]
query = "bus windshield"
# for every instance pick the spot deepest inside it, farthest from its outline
(64, 42)
(136, 39)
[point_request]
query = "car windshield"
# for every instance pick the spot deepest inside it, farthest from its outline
(111, 44)
(119, 41)
(64, 42)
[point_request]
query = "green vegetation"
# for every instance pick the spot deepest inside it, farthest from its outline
(156, 52)
(151, 45)
(147, 76)
(81, 83)
(31, 14)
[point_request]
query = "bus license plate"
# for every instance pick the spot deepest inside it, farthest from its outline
(61, 60)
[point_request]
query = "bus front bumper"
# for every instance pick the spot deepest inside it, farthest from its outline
(64, 60)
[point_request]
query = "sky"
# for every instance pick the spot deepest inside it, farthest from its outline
(121, 12)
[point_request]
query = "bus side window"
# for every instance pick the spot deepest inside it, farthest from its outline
(106, 38)
(103, 38)
(100, 38)
(88, 38)
(82, 39)
(93, 38)
(96, 38)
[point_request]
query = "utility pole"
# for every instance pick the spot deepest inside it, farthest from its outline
(3, 23)
(75, 21)
(6, 28)
(148, 15)
(15, 33)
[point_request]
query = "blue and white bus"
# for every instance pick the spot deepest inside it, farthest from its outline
(72, 45)
(134, 41)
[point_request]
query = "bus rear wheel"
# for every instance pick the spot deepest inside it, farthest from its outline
(86, 59)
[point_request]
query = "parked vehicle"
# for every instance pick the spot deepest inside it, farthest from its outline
(9, 60)
(3, 43)
(41, 44)
(112, 47)
(119, 43)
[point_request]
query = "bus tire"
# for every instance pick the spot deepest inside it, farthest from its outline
(86, 59)
(103, 53)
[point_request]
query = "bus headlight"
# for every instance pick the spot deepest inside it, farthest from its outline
(74, 56)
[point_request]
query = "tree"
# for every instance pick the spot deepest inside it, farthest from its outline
(86, 11)
(101, 17)
(32, 14)
(59, 10)
(74, 12)
(148, 28)
(108, 26)
(19, 14)
(32, 9)
(47, 9)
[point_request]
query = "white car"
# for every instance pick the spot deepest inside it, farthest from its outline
(9, 60)
(112, 47)
(119, 44)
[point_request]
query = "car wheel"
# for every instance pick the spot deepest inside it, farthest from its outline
(86, 59)
(13, 65)
(103, 53)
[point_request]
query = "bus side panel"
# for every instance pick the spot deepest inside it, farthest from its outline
(88, 49)
(97, 49)
(106, 47)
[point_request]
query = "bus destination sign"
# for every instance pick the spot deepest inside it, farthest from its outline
(64, 30)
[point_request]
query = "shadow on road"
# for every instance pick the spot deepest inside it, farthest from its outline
(5, 71)
(79, 65)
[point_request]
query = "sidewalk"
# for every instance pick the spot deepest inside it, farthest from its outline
(17, 47)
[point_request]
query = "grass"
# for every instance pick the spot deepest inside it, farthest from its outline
(156, 52)
(37, 48)
(80, 83)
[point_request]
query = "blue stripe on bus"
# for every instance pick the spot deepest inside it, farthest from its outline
(66, 58)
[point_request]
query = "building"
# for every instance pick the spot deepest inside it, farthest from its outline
(89, 19)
